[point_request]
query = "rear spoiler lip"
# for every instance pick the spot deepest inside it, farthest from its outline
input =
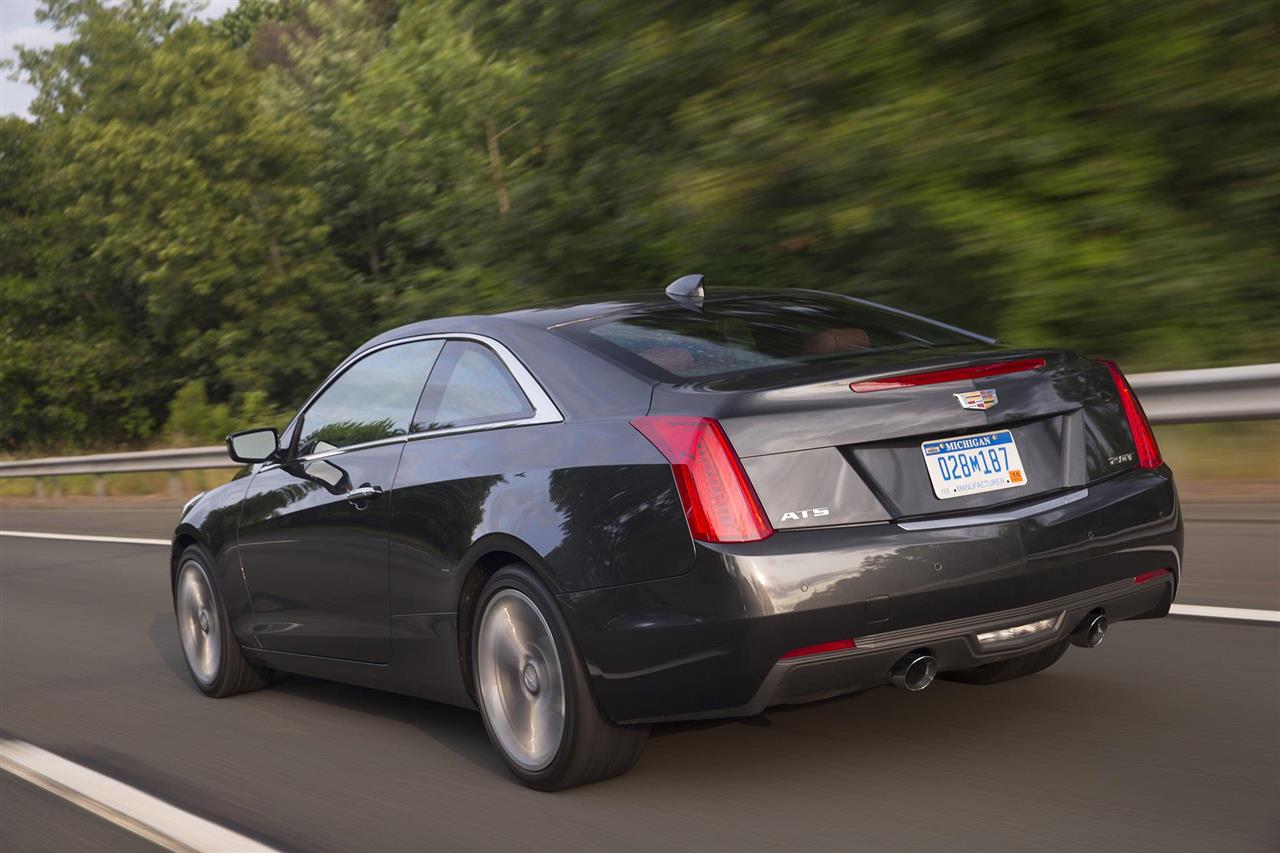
(968, 372)
(1051, 355)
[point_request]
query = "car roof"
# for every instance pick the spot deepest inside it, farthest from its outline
(557, 313)
(548, 315)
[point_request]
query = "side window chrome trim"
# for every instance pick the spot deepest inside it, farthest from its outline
(338, 451)
(544, 410)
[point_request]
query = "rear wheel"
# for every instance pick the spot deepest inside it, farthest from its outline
(533, 691)
(1023, 665)
(214, 659)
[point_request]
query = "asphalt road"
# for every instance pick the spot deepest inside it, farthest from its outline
(1165, 738)
(35, 821)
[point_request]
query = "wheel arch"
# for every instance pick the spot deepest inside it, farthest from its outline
(185, 536)
(483, 560)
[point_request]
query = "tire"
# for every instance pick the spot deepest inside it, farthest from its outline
(529, 678)
(214, 659)
(1019, 667)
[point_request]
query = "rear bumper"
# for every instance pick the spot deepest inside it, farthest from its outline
(954, 644)
(709, 643)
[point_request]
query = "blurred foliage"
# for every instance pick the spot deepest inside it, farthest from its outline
(194, 420)
(225, 209)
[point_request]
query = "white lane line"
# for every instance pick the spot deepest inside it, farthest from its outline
(126, 807)
(1238, 613)
(72, 537)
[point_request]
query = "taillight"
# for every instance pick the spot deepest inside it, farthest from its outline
(717, 496)
(1144, 440)
(954, 374)
(1147, 577)
(819, 649)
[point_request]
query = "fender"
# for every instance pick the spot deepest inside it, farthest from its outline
(211, 522)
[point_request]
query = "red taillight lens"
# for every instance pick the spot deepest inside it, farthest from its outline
(1144, 440)
(1151, 575)
(718, 499)
(955, 374)
(819, 649)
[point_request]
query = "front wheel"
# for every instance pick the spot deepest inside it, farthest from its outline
(217, 665)
(533, 691)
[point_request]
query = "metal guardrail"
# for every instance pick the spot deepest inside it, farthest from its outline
(181, 459)
(101, 464)
(1251, 392)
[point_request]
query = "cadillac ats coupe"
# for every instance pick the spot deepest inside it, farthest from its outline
(583, 519)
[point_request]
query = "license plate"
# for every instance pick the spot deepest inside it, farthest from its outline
(974, 464)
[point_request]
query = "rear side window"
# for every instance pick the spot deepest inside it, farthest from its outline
(744, 334)
(469, 387)
(373, 399)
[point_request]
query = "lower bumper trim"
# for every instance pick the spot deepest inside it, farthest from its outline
(954, 644)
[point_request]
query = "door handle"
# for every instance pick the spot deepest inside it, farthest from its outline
(363, 494)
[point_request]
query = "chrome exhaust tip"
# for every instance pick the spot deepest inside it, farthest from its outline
(1091, 632)
(914, 672)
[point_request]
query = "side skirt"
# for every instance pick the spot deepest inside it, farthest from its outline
(424, 662)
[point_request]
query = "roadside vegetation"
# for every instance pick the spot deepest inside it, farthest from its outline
(201, 219)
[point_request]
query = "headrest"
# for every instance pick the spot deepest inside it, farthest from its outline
(671, 359)
(836, 340)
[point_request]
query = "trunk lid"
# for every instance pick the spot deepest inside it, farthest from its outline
(820, 453)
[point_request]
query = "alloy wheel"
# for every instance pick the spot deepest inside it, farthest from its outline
(520, 679)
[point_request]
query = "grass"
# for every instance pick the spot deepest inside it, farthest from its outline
(142, 483)
(1226, 452)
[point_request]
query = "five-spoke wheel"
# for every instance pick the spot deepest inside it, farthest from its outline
(518, 672)
(533, 691)
(214, 658)
(199, 626)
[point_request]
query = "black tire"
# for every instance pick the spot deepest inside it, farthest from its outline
(1019, 667)
(233, 673)
(590, 748)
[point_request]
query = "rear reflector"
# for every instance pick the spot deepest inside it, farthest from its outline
(1144, 439)
(955, 374)
(718, 499)
(819, 649)
(1151, 575)
(1020, 632)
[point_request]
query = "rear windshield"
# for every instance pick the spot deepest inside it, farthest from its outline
(754, 333)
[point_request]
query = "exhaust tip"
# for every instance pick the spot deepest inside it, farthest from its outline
(914, 672)
(1092, 631)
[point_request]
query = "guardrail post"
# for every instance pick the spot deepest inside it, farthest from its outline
(175, 484)
(100, 485)
(39, 488)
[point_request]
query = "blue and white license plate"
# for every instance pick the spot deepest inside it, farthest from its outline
(974, 464)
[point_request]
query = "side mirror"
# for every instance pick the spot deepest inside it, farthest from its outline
(253, 445)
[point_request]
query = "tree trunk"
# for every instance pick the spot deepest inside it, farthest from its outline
(495, 166)
(273, 245)
(375, 257)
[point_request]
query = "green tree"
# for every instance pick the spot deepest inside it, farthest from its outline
(189, 241)
(237, 203)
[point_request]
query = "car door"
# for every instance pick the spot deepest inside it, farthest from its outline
(313, 529)
(464, 448)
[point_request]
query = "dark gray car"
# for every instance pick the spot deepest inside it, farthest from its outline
(586, 518)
